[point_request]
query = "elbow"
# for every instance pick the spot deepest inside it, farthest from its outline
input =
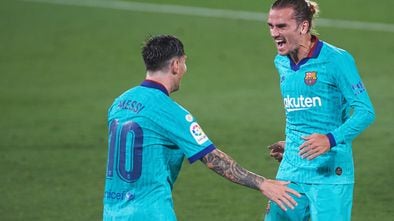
(367, 115)
(371, 116)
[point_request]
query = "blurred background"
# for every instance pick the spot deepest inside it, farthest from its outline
(62, 62)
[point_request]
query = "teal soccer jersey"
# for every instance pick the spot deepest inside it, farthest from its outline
(149, 136)
(322, 94)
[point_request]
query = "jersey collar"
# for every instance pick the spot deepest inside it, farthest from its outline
(313, 53)
(155, 85)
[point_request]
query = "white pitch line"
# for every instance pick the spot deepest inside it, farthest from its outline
(212, 13)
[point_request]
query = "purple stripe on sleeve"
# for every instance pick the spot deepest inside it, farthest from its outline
(201, 154)
(331, 138)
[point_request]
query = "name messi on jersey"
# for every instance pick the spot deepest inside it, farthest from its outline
(132, 105)
(301, 103)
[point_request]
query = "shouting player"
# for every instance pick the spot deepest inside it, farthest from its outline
(326, 106)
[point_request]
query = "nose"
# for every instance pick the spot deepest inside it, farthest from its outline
(274, 32)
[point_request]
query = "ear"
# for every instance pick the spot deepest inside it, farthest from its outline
(175, 66)
(304, 27)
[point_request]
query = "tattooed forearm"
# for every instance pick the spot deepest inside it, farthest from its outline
(224, 165)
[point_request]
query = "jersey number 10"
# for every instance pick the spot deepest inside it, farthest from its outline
(132, 132)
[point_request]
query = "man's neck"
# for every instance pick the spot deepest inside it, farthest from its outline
(161, 78)
(303, 50)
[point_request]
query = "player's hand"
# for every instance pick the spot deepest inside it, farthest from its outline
(314, 146)
(276, 150)
(278, 192)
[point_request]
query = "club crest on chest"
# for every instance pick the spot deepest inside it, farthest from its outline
(310, 78)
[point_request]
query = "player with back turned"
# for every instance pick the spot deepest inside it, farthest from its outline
(149, 136)
(326, 105)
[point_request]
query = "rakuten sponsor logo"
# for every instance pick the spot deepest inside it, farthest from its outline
(301, 103)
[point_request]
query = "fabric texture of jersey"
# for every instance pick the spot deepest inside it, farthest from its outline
(318, 202)
(149, 135)
(322, 94)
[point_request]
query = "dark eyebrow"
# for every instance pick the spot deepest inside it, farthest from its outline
(281, 25)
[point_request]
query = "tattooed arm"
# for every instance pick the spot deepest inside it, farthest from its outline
(225, 166)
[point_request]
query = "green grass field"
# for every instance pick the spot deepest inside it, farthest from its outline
(62, 65)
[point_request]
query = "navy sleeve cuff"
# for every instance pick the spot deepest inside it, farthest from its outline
(201, 154)
(331, 138)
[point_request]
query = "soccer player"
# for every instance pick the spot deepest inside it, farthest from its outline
(149, 136)
(326, 105)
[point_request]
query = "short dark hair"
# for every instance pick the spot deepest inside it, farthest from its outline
(158, 50)
(303, 9)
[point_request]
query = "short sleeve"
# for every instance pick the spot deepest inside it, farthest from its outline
(184, 131)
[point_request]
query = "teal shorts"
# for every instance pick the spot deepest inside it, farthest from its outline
(318, 202)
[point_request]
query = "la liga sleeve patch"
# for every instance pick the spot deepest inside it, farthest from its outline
(197, 133)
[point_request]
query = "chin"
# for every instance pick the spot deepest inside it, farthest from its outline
(283, 52)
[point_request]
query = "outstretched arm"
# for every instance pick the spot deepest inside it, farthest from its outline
(225, 166)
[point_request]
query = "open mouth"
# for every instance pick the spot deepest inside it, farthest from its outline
(280, 43)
